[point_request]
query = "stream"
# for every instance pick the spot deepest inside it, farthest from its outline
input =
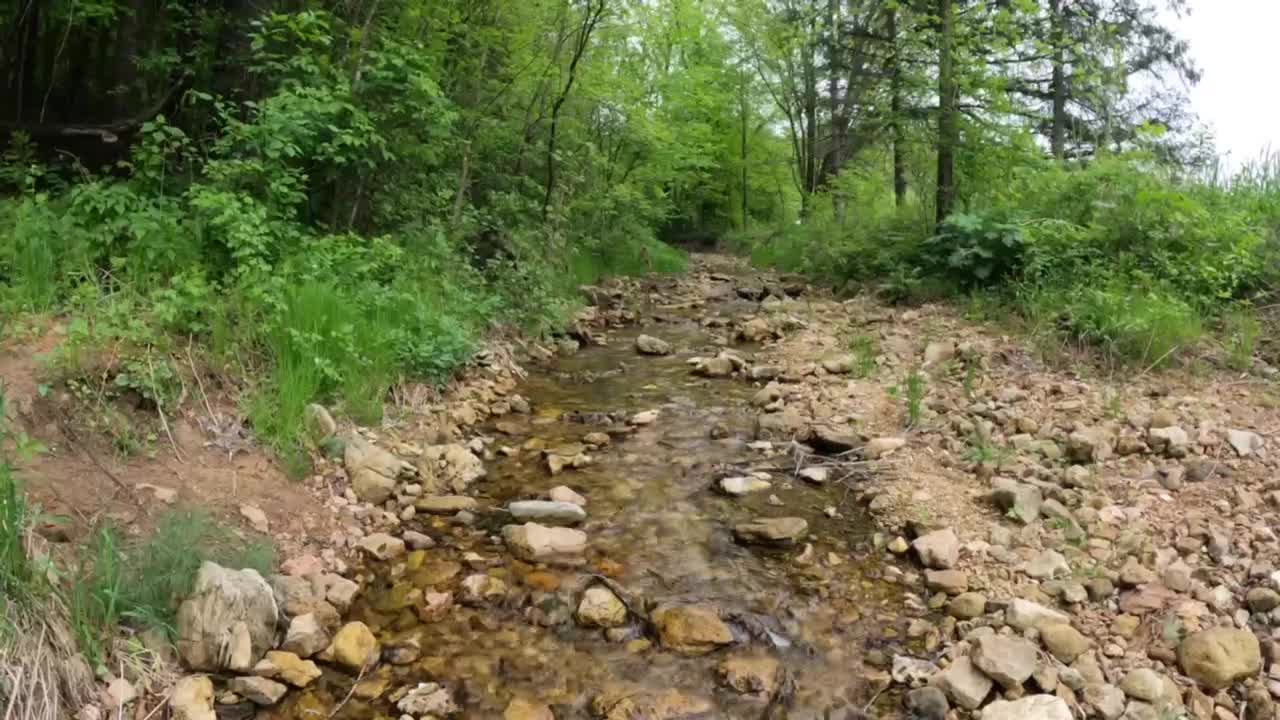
(658, 531)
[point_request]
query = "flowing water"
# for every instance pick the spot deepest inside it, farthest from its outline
(658, 529)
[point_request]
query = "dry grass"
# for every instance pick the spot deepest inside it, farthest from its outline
(42, 677)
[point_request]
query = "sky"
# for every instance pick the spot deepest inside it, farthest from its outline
(1235, 44)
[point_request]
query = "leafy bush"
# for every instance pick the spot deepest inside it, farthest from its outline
(974, 250)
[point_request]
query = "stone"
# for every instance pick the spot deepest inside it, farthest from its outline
(1162, 418)
(1220, 656)
(287, 667)
(306, 636)
(228, 621)
(877, 448)
(192, 699)
(1143, 684)
(650, 705)
(717, 367)
(416, 540)
(1007, 660)
(771, 531)
(1047, 564)
(257, 519)
(1019, 501)
(898, 545)
(1171, 441)
(1090, 445)
(538, 543)
(382, 546)
(1024, 615)
(435, 606)
(449, 468)
(373, 470)
(1245, 442)
(1063, 641)
(1262, 599)
(354, 647)
(939, 550)
(258, 690)
(816, 474)
(340, 591)
(967, 606)
(1133, 574)
(691, 629)
(754, 674)
(927, 703)
(742, 485)
(428, 699)
(121, 691)
(548, 512)
(832, 439)
(965, 684)
(1106, 700)
(524, 709)
(649, 345)
(319, 423)
(755, 330)
(907, 670)
(951, 582)
(1032, 707)
(939, 352)
(480, 589)
(445, 504)
(600, 607)
(302, 565)
(565, 494)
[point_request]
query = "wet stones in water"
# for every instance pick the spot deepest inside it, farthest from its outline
(522, 709)
(435, 606)
(927, 703)
(628, 704)
(373, 471)
(547, 511)
(600, 608)
(691, 629)
(816, 474)
(480, 589)
(305, 636)
(756, 675)
(537, 543)
(259, 690)
(831, 439)
(721, 366)
(743, 485)
(382, 546)
(445, 504)
(755, 330)
(557, 463)
(649, 345)
(565, 494)
(428, 699)
(354, 648)
(287, 667)
(771, 531)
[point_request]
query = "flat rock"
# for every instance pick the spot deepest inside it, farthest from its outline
(965, 684)
(445, 504)
(538, 543)
(831, 439)
(951, 582)
(649, 345)
(1220, 656)
(258, 690)
(563, 493)
(816, 474)
(381, 546)
(751, 674)
(691, 629)
(939, 550)
(1063, 641)
(428, 699)
(287, 667)
(1007, 660)
(740, 485)
(1024, 614)
(1245, 442)
(547, 511)
(525, 709)
(877, 448)
(1047, 564)
(1032, 707)
(771, 531)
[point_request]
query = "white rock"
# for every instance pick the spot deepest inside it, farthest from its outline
(743, 485)
(1032, 707)
(565, 494)
(547, 511)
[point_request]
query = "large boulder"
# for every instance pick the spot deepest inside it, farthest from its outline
(228, 621)
(691, 629)
(1220, 656)
(373, 471)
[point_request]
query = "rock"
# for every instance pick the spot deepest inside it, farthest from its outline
(720, 366)
(907, 670)
(435, 606)
(373, 471)
(192, 699)
(1220, 656)
(965, 684)
(1024, 615)
(1163, 418)
(1171, 441)
(416, 540)
(319, 423)
(382, 546)
(537, 543)
(1007, 660)
(1047, 564)
(815, 474)
(1019, 501)
(967, 606)
(481, 589)
(1106, 700)
(430, 699)
(927, 703)
(939, 549)
(755, 330)
(354, 647)
(445, 504)
(449, 468)
(121, 691)
(306, 636)
(228, 621)
(1090, 445)
(257, 519)
(691, 629)
(743, 485)
(832, 439)
(1063, 641)
(771, 531)
(523, 709)
(258, 690)
(564, 494)
(650, 705)
(783, 425)
(1032, 707)
(287, 667)
(1143, 684)
(1133, 574)
(939, 352)
(755, 675)
(649, 345)
(647, 417)
(1100, 589)
(898, 546)
(951, 582)
(877, 448)
(599, 607)
(340, 591)
(1261, 599)
(1245, 442)
(547, 511)
(302, 565)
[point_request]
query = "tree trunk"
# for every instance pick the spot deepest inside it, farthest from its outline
(1058, 137)
(895, 111)
(810, 77)
(591, 15)
(742, 114)
(948, 122)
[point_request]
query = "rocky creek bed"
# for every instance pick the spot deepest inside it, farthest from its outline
(702, 504)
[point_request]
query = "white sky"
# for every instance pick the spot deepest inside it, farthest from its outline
(1235, 44)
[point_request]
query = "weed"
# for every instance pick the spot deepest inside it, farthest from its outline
(970, 380)
(1114, 400)
(982, 451)
(1241, 330)
(864, 348)
(915, 389)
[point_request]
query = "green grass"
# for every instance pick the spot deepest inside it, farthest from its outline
(864, 348)
(1240, 330)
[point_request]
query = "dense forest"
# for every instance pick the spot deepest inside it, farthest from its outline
(328, 196)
